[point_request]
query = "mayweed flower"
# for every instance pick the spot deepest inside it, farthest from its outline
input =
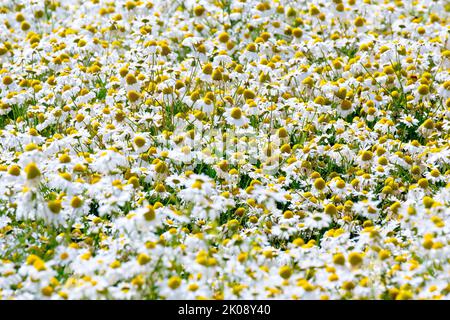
(251, 150)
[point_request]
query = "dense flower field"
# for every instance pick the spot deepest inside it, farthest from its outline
(224, 149)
